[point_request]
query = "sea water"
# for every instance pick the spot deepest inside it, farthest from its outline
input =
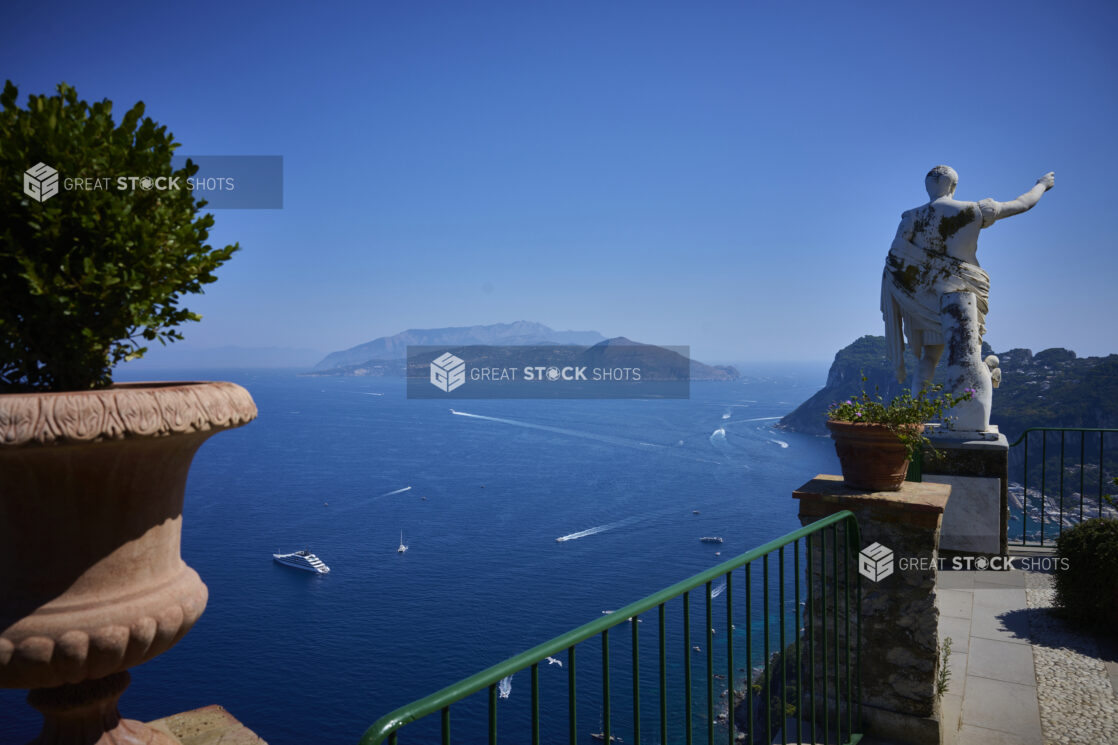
(524, 519)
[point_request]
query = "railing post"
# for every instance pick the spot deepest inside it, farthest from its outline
(898, 620)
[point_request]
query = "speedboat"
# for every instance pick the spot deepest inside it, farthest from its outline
(302, 560)
(403, 547)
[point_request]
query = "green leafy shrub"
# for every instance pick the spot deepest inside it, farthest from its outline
(87, 277)
(1087, 573)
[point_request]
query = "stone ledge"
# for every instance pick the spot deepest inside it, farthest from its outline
(917, 503)
(210, 725)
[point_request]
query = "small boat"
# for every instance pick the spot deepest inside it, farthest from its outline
(711, 539)
(402, 548)
(302, 560)
(602, 736)
(694, 512)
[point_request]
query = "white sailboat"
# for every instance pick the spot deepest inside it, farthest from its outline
(402, 547)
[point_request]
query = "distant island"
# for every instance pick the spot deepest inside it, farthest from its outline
(520, 333)
(387, 355)
(1052, 388)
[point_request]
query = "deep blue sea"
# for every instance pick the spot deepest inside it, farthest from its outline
(341, 466)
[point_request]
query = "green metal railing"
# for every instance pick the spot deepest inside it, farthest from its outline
(831, 659)
(1062, 468)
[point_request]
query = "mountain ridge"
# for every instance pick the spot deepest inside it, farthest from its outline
(518, 333)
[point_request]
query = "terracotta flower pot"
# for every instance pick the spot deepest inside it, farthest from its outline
(91, 491)
(872, 457)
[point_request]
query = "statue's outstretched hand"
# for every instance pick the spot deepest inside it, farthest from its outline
(1048, 179)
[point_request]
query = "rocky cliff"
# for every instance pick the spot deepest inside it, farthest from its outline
(1052, 388)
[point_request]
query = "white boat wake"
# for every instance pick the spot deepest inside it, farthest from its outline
(597, 529)
(398, 491)
(609, 439)
(718, 591)
(782, 443)
(366, 393)
(719, 433)
(504, 688)
(623, 442)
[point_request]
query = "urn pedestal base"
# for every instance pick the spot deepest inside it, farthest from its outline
(86, 712)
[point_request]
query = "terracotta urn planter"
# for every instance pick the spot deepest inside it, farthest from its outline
(872, 457)
(91, 493)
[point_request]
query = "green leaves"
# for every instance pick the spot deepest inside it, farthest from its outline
(88, 272)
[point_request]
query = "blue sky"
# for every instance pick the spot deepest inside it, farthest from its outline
(722, 175)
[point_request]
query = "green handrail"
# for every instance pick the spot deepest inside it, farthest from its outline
(440, 701)
(1023, 438)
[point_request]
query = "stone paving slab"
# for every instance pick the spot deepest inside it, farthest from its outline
(1001, 661)
(954, 603)
(1022, 676)
(971, 735)
(1002, 706)
(987, 624)
(957, 630)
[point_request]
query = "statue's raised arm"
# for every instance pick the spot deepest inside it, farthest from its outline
(998, 210)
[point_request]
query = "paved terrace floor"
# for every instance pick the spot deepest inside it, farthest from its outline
(1019, 675)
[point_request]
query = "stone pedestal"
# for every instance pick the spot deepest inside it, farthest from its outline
(977, 470)
(899, 616)
(210, 725)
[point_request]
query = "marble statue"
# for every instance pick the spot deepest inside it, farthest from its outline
(934, 292)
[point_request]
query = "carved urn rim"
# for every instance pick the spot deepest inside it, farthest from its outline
(122, 411)
(869, 428)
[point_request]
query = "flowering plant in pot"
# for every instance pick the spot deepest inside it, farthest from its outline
(92, 474)
(875, 441)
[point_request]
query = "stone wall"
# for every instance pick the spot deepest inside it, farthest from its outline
(899, 618)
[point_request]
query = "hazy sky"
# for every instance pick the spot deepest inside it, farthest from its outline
(726, 175)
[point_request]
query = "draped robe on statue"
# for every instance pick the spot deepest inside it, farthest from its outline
(912, 284)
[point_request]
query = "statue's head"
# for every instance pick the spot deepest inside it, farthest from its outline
(941, 181)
